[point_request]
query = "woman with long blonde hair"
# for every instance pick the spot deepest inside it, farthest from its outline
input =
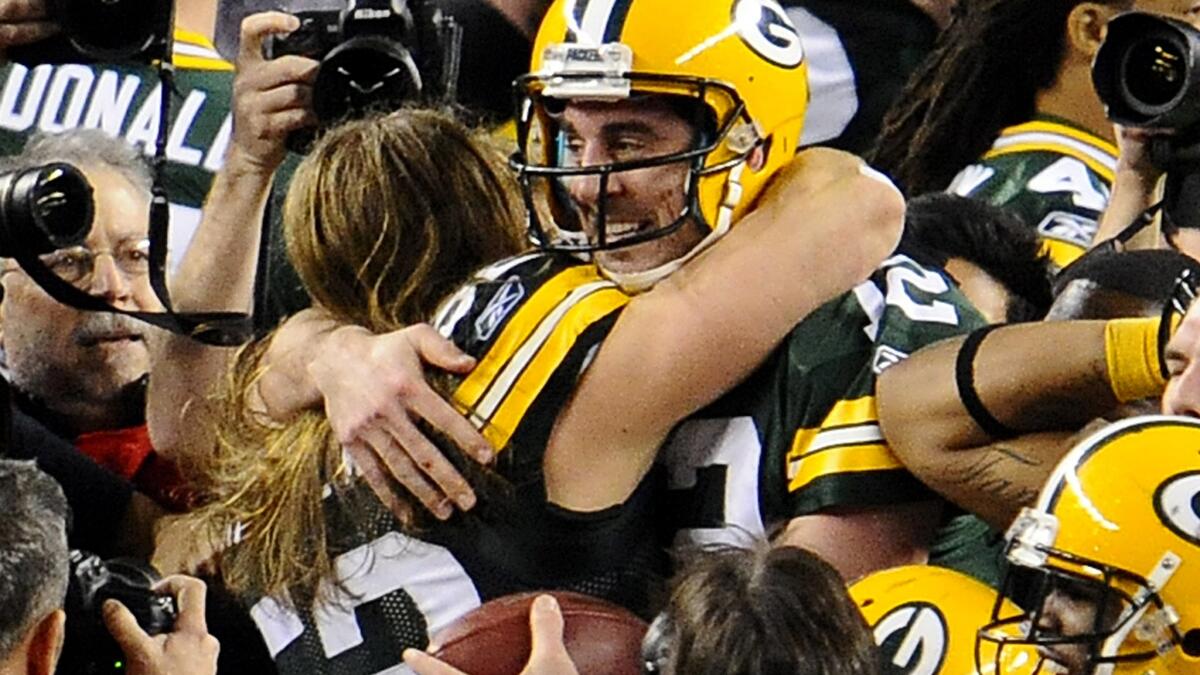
(383, 218)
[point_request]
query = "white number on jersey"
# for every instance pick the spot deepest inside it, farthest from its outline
(1070, 175)
(429, 574)
(724, 450)
(902, 275)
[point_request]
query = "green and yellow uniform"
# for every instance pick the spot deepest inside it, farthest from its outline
(1054, 174)
(802, 434)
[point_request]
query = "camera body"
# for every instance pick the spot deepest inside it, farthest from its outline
(375, 55)
(88, 34)
(1147, 74)
(88, 648)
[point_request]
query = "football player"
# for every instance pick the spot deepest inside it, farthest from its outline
(1108, 555)
(1004, 110)
(640, 151)
(983, 420)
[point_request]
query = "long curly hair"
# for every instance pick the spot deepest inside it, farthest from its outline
(983, 75)
(383, 219)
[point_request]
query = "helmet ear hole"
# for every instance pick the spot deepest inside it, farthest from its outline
(1191, 643)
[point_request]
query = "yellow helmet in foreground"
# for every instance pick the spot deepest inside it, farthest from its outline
(925, 620)
(1110, 554)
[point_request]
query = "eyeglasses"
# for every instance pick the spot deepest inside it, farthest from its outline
(76, 264)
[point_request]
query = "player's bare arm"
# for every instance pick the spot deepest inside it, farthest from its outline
(706, 327)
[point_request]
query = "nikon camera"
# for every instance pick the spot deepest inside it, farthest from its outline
(375, 55)
(88, 648)
(103, 31)
(1147, 74)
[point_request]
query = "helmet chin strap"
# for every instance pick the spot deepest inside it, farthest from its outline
(640, 282)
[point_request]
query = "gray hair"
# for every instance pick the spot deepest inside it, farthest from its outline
(33, 550)
(87, 147)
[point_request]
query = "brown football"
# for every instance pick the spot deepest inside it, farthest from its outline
(494, 639)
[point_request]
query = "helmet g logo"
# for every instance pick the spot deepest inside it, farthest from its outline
(766, 28)
(1177, 503)
(913, 639)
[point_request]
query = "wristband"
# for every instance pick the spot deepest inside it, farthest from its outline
(1132, 351)
(964, 377)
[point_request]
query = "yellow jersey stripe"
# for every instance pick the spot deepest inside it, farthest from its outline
(848, 459)
(1063, 253)
(522, 325)
(199, 54)
(1042, 126)
(1105, 172)
(526, 389)
(843, 414)
(200, 63)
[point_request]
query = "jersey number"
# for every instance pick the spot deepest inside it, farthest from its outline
(1070, 175)
(428, 574)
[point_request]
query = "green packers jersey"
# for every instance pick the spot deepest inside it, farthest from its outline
(802, 434)
(532, 322)
(1055, 175)
(124, 100)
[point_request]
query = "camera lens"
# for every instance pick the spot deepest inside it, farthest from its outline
(44, 208)
(90, 25)
(1154, 73)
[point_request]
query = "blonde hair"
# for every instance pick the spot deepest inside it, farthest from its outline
(383, 219)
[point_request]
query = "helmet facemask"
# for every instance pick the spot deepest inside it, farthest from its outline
(1100, 618)
(569, 197)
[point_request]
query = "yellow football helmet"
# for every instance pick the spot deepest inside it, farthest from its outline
(925, 621)
(734, 69)
(1113, 546)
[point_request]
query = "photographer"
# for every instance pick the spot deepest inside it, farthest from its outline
(33, 571)
(78, 377)
(121, 98)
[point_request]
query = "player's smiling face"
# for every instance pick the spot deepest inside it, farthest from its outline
(638, 201)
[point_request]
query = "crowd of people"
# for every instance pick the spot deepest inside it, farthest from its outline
(817, 333)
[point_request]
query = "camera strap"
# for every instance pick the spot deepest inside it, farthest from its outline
(222, 329)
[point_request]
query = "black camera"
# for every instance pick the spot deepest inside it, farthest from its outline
(102, 31)
(43, 209)
(375, 55)
(88, 647)
(1147, 72)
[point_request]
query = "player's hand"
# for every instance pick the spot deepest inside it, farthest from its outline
(271, 98)
(22, 22)
(548, 655)
(186, 650)
(1134, 158)
(375, 390)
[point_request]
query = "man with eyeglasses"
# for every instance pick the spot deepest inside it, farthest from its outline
(78, 377)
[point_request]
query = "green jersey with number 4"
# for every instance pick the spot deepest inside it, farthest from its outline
(1055, 175)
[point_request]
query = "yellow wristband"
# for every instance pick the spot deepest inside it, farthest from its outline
(1131, 352)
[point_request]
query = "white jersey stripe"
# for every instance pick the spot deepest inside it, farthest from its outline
(1100, 156)
(516, 365)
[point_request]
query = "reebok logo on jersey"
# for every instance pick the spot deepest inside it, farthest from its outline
(886, 357)
(1069, 227)
(501, 305)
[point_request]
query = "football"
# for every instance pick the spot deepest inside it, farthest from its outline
(602, 638)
